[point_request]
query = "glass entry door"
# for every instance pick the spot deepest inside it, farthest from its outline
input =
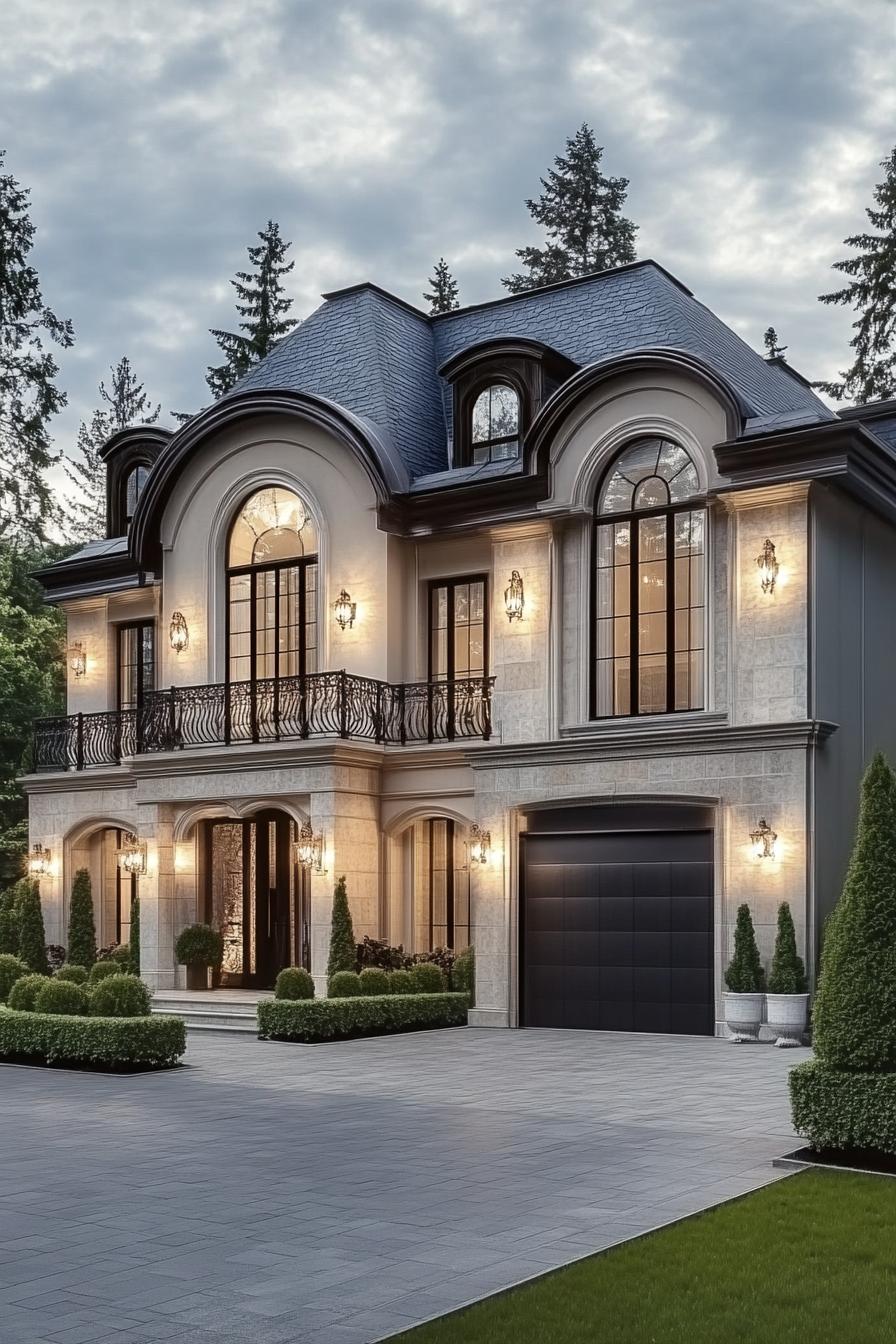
(256, 896)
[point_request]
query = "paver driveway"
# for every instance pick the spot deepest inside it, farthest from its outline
(338, 1193)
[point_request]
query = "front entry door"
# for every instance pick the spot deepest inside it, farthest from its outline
(256, 896)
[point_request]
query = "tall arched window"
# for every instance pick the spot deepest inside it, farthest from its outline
(133, 489)
(495, 429)
(272, 588)
(649, 585)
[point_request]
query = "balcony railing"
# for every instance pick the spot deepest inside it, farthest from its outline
(321, 704)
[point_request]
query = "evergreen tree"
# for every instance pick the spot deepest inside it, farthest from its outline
(443, 298)
(126, 404)
(745, 974)
(81, 926)
(854, 1018)
(29, 397)
(581, 211)
(135, 936)
(343, 951)
(263, 307)
(32, 938)
(9, 922)
(788, 974)
(772, 349)
(871, 291)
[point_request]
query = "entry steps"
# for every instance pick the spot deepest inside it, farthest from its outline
(211, 1010)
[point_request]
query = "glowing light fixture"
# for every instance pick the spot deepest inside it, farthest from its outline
(345, 610)
(764, 840)
(132, 857)
(39, 861)
(178, 633)
(77, 658)
(309, 849)
(480, 844)
(514, 597)
(767, 563)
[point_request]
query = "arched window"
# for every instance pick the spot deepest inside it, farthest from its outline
(441, 885)
(649, 585)
(272, 589)
(495, 428)
(133, 489)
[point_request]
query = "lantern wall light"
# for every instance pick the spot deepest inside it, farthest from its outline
(77, 658)
(309, 849)
(767, 564)
(178, 632)
(39, 862)
(764, 840)
(132, 857)
(480, 844)
(514, 597)
(345, 610)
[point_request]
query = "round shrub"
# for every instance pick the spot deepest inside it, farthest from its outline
(428, 978)
(374, 980)
(23, 995)
(120, 996)
(61, 996)
(401, 982)
(69, 971)
(294, 983)
(11, 969)
(100, 970)
(345, 985)
(199, 945)
(121, 956)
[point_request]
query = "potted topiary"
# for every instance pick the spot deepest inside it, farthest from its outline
(198, 947)
(787, 999)
(746, 981)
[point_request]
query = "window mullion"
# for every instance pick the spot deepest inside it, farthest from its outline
(634, 618)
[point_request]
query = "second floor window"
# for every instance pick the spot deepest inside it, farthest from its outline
(457, 629)
(649, 601)
(495, 430)
(136, 663)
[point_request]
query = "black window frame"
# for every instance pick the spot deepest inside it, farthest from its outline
(451, 583)
(120, 629)
(300, 562)
(451, 870)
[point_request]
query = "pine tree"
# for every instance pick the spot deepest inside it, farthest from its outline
(32, 938)
(29, 397)
(135, 936)
(772, 349)
(128, 404)
(854, 1019)
(788, 974)
(343, 951)
(871, 291)
(443, 298)
(580, 210)
(262, 306)
(745, 974)
(81, 926)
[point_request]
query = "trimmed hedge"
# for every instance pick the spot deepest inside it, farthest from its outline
(60, 996)
(70, 970)
(23, 995)
(340, 1019)
(294, 982)
(836, 1109)
(345, 985)
(107, 1042)
(428, 978)
(374, 981)
(119, 996)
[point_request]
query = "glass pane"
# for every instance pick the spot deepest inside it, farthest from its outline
(617, 495)
(673, 459)
(605, 581)
(622, 686)
(604, 546)
(623, 630)
(622, 589)
(685, 484)
(505, 411)
(605, 639)
(623, 535)
(651, 494)
(652, 586)
(273, 524)
(482, 417)
(652, 539)
(652, 634)
(604, 689)
(652, 685)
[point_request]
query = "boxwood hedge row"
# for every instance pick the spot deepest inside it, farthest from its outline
(105, 1042)
(313, 1020)
(836, 1109)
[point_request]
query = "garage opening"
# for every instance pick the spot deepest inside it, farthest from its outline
(616, 919)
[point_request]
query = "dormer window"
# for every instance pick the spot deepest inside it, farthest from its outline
(495, 428)
(134, 483)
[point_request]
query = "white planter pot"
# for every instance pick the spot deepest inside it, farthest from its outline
(743, 1016)
(788, 1015)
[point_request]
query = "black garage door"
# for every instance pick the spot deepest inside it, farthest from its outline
(616, 931)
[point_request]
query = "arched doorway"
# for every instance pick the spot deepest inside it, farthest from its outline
(95, 847)
(256, 895)
(440, 868)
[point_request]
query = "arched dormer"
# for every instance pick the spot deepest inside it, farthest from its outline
(498, 388)
(129, 457)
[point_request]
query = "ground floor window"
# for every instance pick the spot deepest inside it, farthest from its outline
(125, 894)
(441, 885)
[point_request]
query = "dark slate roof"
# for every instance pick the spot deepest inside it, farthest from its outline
(877, 416)
(377, 356)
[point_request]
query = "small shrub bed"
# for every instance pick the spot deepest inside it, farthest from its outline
(428, 978)
(71, 971)
(344, 985)
(23, 995)
(374, 981)
(119, 996)
(101, 969)
(11, 969)
(294, 982)
(836, 1109)
(401, 982)
(341, 1019)
(60, 996)
(116, 1043)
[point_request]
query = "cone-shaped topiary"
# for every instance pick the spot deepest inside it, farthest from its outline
(855, 1008)
(9, 922)
(788, 974)
(343, 952)
(135, 936)
(32, 938)
(81, 926)
(744, 974)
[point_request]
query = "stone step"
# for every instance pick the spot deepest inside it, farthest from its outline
(233, 1016)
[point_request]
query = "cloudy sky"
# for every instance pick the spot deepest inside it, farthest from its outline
(157, 137)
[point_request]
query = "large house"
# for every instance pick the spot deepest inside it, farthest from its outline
(558, 624)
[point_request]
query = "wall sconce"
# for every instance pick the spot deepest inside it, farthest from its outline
(345, 610)
(39, 861)
(514, 598)
(767, 563)
(480, 844)
(764, 840)
(178, 634)
(77, 658)
(309, 849)
(132, 857)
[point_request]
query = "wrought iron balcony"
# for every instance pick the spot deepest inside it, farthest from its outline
(321, 704)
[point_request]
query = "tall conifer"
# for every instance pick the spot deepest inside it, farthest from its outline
(443, 298)
(263, 307)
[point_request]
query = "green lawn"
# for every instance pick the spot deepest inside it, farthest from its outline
(809, 1260)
